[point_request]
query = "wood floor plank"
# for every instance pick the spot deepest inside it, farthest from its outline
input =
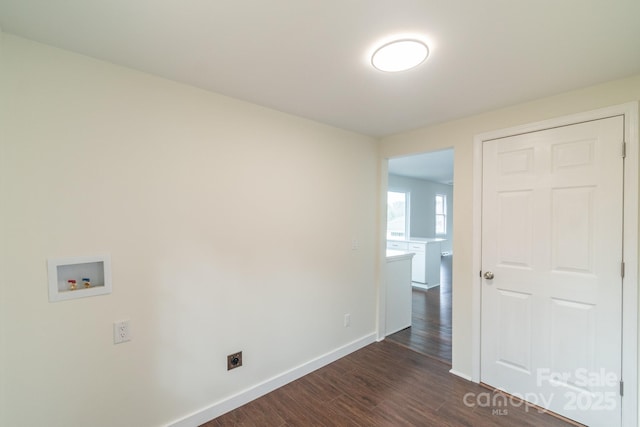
(383, 385)
(431, 324)
(253, 414)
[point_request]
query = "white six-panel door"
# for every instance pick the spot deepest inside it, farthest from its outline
(552, 224)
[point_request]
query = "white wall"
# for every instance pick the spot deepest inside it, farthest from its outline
(422, 206)
(229, 226)
(459, 134)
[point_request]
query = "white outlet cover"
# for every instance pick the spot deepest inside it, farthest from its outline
(355, 245)
(121, 331)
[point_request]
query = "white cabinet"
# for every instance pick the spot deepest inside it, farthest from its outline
(432, 259)
(426, 263)
(397, 245)
(418, 270)
(398, 296)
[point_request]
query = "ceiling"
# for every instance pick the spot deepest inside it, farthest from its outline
(435, 166)
(310, 58)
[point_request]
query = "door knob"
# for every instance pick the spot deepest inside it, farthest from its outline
(488, 275)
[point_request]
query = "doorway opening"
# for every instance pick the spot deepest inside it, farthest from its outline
(425, 229)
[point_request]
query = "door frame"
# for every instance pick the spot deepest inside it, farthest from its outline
(381, 258)
(630, 242)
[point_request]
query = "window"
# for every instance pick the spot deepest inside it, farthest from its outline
(441, 214)
(397, 219)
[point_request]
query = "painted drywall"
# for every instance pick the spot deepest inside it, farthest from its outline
(459, 134)
(229, 226)
(422, 206)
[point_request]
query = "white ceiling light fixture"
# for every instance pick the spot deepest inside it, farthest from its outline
(400, 55)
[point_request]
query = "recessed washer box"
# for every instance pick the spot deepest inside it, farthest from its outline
(63, 271)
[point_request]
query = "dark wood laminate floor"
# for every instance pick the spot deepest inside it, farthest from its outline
(383, 384)
(430, 331)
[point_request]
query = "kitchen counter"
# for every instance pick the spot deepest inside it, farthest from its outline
(395, 255)
(425, 267)
(420, 240)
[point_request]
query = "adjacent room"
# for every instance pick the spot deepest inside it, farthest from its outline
(195, 221)
(420, 221)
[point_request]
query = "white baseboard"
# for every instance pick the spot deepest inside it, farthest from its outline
(461, 375)
(246, 396)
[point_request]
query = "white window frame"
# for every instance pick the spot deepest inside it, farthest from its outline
(442, 214)
(407, 215)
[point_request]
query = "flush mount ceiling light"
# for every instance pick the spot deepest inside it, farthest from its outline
(400, 55)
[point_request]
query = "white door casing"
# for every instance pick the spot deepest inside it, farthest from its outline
(552, 236)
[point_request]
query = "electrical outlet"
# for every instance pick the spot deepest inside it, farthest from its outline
(347, 320)
(121, 332)
(234, 360)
